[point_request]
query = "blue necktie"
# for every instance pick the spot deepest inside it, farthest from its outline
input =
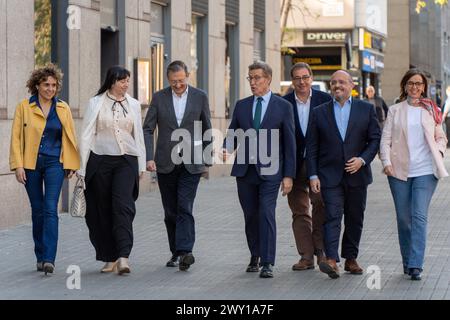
(258, 113)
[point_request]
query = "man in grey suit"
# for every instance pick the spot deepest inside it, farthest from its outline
(180, 112)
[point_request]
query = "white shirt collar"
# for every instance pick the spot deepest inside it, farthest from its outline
(183, 95)
(300, 101)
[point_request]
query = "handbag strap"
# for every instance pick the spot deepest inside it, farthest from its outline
(80, 183)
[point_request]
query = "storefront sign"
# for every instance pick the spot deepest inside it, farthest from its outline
(372, 62)
(325, 37)
(321, 62)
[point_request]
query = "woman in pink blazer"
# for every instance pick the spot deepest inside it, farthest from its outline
(412, 150)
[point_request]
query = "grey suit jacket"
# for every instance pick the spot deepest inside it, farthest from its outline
(161, 114)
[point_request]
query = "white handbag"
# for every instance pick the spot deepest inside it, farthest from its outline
(78, 204)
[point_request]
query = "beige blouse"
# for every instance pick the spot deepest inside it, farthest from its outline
(114, 134)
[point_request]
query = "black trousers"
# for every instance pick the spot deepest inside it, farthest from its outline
(178, 190)
(111, 183)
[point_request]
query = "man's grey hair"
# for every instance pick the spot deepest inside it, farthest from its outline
(267, 70)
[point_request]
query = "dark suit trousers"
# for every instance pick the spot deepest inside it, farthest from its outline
(307, 227)
(349, 202)
(258, 200)
(110, 205)
(178, 190)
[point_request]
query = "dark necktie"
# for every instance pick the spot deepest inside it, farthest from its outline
(258, 114)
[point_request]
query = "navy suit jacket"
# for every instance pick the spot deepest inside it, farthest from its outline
(317, 98)
(327, 153)
(279, 116)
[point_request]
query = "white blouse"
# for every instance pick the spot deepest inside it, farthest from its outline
(420, 157)
(114, 134)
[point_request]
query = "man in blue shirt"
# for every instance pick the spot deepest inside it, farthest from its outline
(344, 139)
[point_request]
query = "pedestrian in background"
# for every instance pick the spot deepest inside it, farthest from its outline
(412, 150)
(112, 160)
(446, 113)
(381, 108)
(43, 151)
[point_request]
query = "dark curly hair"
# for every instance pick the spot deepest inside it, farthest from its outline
(41, 75)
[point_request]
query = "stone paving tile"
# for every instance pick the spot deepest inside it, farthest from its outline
(222, 255)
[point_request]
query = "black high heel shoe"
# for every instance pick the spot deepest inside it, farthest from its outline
(48, 267)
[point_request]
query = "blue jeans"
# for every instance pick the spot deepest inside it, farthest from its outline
(43, 186)
(412, 199)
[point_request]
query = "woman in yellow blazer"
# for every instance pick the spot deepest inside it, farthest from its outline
(43, 150)
(412, 150)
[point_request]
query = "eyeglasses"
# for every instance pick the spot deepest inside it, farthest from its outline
(411, 84)
(255, 78)
(304, 78)
(175, 82)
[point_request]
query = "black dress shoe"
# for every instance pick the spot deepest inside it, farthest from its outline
(48, 267)
(266, 271)
(173, 262)
(415, 274)
(186, 261)
(253, 266)
(406, 270)
(40, 267)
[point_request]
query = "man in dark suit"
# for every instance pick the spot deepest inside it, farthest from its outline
(307, 227)
(343, 140)
(265, 159)
(177, 110)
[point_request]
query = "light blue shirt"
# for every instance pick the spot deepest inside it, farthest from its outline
(342, 115)
(265, 104)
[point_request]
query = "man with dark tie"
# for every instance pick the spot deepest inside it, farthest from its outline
(343, 140)
(262, 129)
(178, 108)
(307, 226)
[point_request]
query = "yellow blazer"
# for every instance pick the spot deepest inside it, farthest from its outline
(27, 130)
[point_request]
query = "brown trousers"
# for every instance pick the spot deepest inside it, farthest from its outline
(307, 227)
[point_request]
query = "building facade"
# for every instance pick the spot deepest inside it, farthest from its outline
(217, 39)
(417, 41)
(333, 35)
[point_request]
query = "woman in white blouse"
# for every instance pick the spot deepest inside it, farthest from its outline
(112, 154)
(412, 150)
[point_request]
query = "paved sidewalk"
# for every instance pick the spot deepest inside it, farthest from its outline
(222, 255)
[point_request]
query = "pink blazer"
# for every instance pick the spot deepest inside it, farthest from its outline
(394, 142)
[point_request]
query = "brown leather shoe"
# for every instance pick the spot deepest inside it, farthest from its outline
(330, 268)
(321, 258)
(352, 266)
(303, 264)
